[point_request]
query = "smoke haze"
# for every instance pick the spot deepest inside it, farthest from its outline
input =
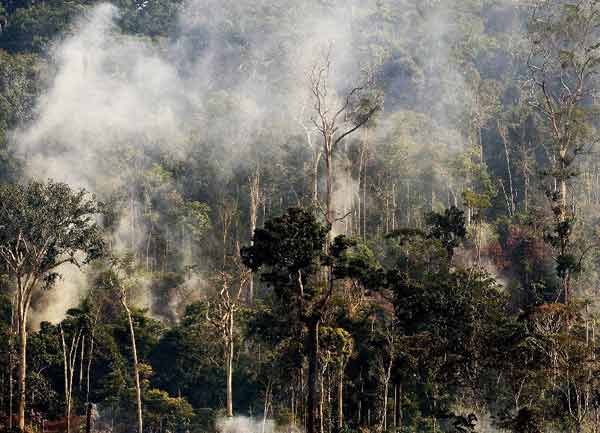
(115, 94)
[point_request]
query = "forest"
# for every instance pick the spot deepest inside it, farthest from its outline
(299, 216)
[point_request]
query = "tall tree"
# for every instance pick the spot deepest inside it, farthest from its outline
(564, 66)
(337, 120)
(289, 252)
(222, 316)
(120, 279)
(43, 226)
(290, 247)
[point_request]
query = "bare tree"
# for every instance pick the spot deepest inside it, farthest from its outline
(337, 120)
(221, 314)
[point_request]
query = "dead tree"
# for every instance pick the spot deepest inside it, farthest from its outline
(337, 120)
(221, 315)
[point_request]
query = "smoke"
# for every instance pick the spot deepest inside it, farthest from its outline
(110, 92)
(52, 305)
(345, 195)
(242, 424)
(115, 99)
(114, 103)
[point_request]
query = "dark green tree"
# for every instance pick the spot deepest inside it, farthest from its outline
(43, 226)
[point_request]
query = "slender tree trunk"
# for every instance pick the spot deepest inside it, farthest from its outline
(303, 400)
(254, 200)
(317, 160)
(313, 372)
(267, 406)
(399, 410)
(395, 411)
(230, 353)
(11, 366)
(360, 182)
(66, 377)
(81, 362)
(564, 241)
(504, 136)
(329, 181)
(88, 403)
(340, 399)
(10, 391)
(364, 189)
(385, 404)
(293, 404)
(136, 371)
(22, 369)
(321, 397)
(69, 362)
(360, 399)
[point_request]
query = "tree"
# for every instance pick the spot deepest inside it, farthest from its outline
(69, 358)
(43, 226)
(289, 253)
(564, 65)
(336, 348)
(336, 121)
(222, 317)
(120, 279)
(165, 413)
(448, 228)
(290, 249)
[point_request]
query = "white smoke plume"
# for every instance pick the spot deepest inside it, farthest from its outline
(243, 424)
(114, 99)
(66, 294)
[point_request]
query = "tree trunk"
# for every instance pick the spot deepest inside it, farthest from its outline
(361, 163)
(321, 396)
(22, 369)
(10, 393)
(254, 200)
(360, 399)
(230, 352)
(340, 399)
(526, 191)
(66, 376)
(399, 415)
(317, 160)
(81, 362)
(88, 404)
(313, 369)
(385, 405)
(329, 182)
(267, 406)
(564, 241)
(11, 367)
(136, 371)
(395, 411)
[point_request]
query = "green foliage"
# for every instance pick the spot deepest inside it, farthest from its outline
(49, 224)
(34, 28)
(449, 228)
(151, 18)
(165, 412)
